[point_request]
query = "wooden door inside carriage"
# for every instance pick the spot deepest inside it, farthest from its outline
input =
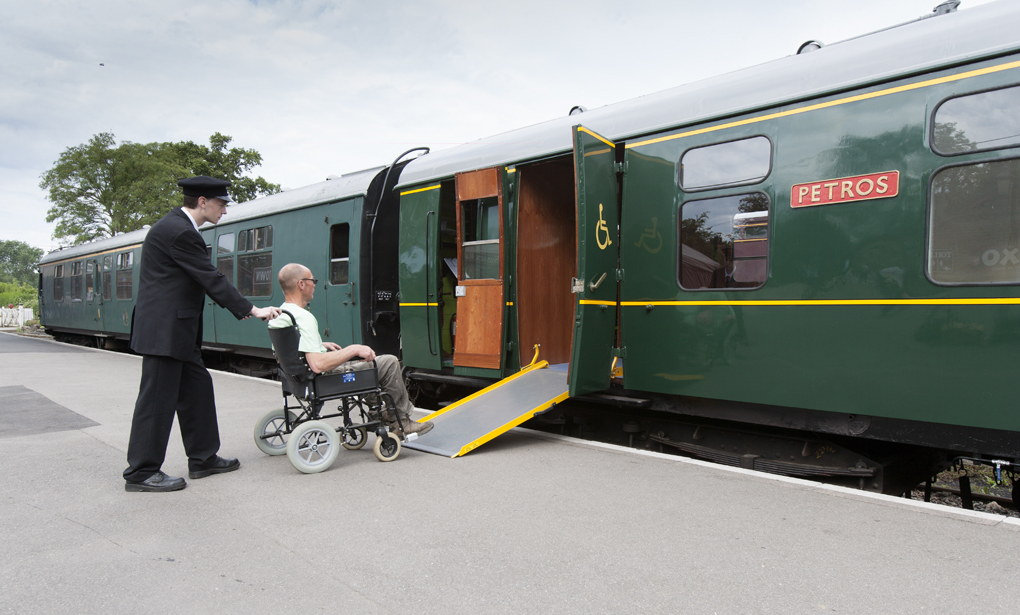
(480, 269)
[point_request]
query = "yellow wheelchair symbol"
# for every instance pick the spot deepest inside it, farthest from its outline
(602, 226)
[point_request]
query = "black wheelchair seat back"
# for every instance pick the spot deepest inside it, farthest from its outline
(295, 373)
(301, 381)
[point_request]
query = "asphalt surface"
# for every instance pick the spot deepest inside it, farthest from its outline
(529, 523)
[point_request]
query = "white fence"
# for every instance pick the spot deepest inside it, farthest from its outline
(15, 317)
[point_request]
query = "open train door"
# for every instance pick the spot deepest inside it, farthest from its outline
(420, 277)
(597, 262)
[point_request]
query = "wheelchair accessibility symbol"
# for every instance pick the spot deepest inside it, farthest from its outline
(651, 237)
(602, 226)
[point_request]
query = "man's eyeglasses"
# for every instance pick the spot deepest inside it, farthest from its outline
(312, 280)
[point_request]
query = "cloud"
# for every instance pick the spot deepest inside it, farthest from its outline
(322, 87)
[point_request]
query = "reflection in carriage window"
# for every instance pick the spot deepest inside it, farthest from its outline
(480, 228)
(987, 120)
(974, 226)
(724, 242)
(733, 163)
(76, 281)
(58, 283)
(339, 253)
(225, 243)
(107, 277)
(255, 274)
(125, 287)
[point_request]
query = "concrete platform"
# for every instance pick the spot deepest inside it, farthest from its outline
(527, 524)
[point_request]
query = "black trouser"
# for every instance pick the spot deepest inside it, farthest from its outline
(170, 386)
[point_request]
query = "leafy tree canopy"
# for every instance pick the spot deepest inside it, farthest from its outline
(100, 189)
(17, 262)
(16, 293)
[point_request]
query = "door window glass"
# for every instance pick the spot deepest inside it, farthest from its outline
(480, 228)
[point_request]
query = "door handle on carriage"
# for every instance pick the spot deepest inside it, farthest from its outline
(597, 283)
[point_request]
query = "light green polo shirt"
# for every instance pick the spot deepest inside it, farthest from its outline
(307, 326)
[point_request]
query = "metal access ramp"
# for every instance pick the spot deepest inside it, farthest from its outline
(469, 423)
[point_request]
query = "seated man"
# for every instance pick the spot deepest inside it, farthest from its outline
(298, 289)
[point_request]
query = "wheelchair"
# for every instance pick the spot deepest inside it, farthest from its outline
(300, 431)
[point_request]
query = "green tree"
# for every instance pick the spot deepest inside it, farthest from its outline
(100, 189)
(16, 293)
(18, 261)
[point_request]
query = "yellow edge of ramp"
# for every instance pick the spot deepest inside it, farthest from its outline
(478, 394)
(495, 432)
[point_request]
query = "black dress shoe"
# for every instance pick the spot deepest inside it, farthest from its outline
(219, 465)
(157, 482)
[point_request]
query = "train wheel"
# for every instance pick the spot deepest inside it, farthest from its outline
(354, 439)
(272, 423)
(387, 447)
(313, 447)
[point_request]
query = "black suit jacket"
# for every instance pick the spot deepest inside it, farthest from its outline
(176, 274)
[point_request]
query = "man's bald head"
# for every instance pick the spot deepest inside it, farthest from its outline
(290, 275)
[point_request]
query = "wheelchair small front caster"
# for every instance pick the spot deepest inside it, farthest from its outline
(387, 447)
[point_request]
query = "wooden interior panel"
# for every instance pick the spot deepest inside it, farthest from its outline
(546, 260)
(479, 324)
(477, 184)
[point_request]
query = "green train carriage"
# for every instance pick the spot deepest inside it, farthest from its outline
(338, 228)
(89, 290)
(876, 298)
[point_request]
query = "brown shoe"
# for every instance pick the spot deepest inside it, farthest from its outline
(411, 426)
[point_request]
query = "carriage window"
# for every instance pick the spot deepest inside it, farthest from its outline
(974, 224)
(480, 227)
(76, 281)
(724, 242)
(225, 265)
(90, 280)
(339, 253)
(987, 120)
(107, 277)
(58, 283)
(225, 243)
(734, 163)
(124, 284)
(255, 274)
(253, 239)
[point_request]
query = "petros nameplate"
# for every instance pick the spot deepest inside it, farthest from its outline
(846, 189)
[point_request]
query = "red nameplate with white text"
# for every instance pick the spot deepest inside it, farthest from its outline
(846, 189)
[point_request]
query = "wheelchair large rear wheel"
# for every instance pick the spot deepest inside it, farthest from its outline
(313, 446)
(387, 447)
(273, 423)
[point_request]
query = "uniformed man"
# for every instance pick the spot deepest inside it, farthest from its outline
(166, 329)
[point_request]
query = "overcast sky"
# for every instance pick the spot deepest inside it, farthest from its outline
(327, 87)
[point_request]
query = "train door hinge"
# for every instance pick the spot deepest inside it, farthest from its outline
(620, 167)
(619, 275)
(620, 352)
